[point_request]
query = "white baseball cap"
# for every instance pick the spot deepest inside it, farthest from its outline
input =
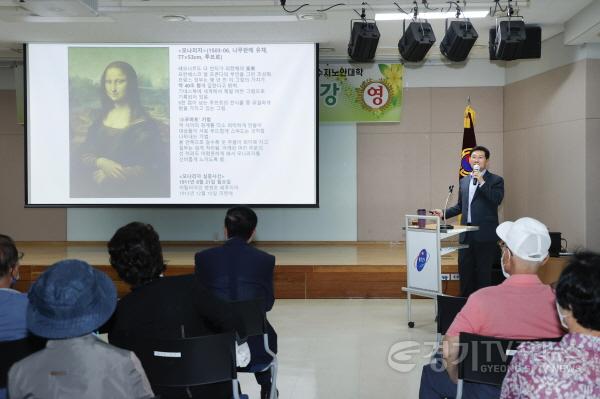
(527, 238)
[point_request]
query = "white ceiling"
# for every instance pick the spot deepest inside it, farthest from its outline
(141, 21)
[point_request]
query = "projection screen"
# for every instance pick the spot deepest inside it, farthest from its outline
(168, 125)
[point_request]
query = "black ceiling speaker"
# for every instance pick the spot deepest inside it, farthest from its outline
(530, 48)
(364, 38)
(416, 41)
(509, 39)
(458, 41)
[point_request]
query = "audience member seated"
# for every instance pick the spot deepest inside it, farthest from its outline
(67, 303)
(521, 307)
(13, 304)
(162, 307)
(236, 271)
(570, 368)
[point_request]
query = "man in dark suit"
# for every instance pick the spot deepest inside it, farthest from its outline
(479, 196)
(236, 271)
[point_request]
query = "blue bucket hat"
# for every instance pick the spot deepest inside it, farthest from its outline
(70, 299)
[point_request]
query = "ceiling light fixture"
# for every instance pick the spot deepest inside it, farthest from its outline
(312, 16)
(63, 20)
(429, 15)
(60, 8)
(174, 18)
(242, 18)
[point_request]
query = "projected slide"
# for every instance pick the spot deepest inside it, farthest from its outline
(171, 124)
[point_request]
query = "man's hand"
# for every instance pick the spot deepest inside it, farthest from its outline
(477, 175)
(437, 212)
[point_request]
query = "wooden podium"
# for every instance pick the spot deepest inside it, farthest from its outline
(424, 250)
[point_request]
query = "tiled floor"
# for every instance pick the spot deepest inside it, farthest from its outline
(349, 348)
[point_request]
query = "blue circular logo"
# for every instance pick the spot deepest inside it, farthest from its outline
(421, 260)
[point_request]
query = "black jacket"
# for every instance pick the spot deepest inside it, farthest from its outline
(170, 308)
(236, 271)
(484, 207)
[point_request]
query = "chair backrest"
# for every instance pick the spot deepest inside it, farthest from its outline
(185, 362)
(13, 351)
(249, 317)
(485, 359)
(447, 309)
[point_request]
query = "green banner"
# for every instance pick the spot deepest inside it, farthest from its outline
(360, 92)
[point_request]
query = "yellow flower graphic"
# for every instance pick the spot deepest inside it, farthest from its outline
(393, 74)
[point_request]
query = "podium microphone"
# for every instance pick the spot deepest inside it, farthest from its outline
(447, 226)
(475, 169)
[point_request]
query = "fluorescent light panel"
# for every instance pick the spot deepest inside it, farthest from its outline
(62, 20)
(398, 16)
(242, 18)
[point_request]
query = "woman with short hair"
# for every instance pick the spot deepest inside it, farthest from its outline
(162, 307)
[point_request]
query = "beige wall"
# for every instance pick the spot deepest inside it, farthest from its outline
(15, 220)
(545, 150)
(409, 165)
(592, 156)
